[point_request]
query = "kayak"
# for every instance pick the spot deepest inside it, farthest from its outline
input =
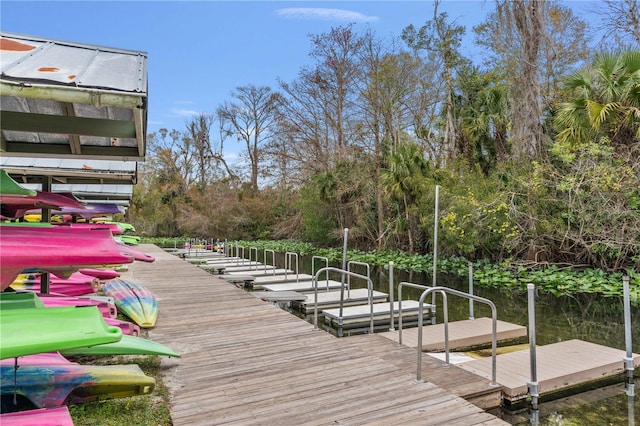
(57, 416)
(8, 186)
(60, 251)
(107, 309)
(77, 284)
(16, 206)
(101, 274)
(115, 229)
(136, 254)
(132, 240)
(128, 328)
(90, 210)
(27, 331)
(128, 345)
(50, 380)
(133, 300)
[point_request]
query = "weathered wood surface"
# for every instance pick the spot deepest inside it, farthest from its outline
(559, 365)
(245, 361)
(462, 334)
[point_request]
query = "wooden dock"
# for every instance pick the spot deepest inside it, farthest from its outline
(246, 362)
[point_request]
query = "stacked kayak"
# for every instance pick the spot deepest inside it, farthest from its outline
(134, 300)
(60, 251)
(39, 330)
(50, 380)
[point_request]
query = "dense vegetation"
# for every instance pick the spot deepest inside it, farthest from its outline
(535, 151)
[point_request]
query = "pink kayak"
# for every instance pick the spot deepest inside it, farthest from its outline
(136, 254)
(77, 284)
(16, 206)
(107, 309)
(127, 327)
(113, 227)
(57, 250)
(101, 274)
(58, 416)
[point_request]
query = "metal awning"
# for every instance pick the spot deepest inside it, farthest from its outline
(69, 100)
(72, 171)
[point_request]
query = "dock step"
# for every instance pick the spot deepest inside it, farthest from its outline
(331, 299)
(463, 334)
(260, 272)
(300, 286)
(359, 316)
(560, 366)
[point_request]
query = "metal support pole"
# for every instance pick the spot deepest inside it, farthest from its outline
(45, 277)
(533, 384)
(392, 324)
(344, 267)
(435, 248)
(471, 290)
(628, 360)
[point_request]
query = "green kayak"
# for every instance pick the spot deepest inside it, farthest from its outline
(28, 331)
(128, 345)
(8, 186)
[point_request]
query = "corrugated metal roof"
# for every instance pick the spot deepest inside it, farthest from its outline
(118, 194)
(66, 99)
(70, 171)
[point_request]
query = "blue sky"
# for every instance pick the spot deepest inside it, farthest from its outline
(199, 51)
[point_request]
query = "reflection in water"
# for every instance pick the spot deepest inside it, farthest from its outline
(589, 317)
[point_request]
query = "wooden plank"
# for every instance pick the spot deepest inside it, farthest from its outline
(462, 334)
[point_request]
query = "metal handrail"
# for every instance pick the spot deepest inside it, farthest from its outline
(355, 262)
(252, 250)
(342, 271)
(239, 248)
(273, 259)
(313, 266)
(494, 332)
(287, 263)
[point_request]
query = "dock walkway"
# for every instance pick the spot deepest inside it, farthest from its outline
(245, 361)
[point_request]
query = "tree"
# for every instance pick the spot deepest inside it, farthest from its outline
(250, 119)
(531, 45)
(605, 102)
(621, 20)
(404, 181)
(443, 41)
(208, 156)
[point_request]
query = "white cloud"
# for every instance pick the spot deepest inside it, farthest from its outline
(185, 112)
(324, 13)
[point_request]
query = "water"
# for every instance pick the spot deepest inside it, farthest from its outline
(587, 317)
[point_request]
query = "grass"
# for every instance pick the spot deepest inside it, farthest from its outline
(144, 410)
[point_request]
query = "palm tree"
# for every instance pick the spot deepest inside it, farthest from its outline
(403, 181)
(606, 102)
